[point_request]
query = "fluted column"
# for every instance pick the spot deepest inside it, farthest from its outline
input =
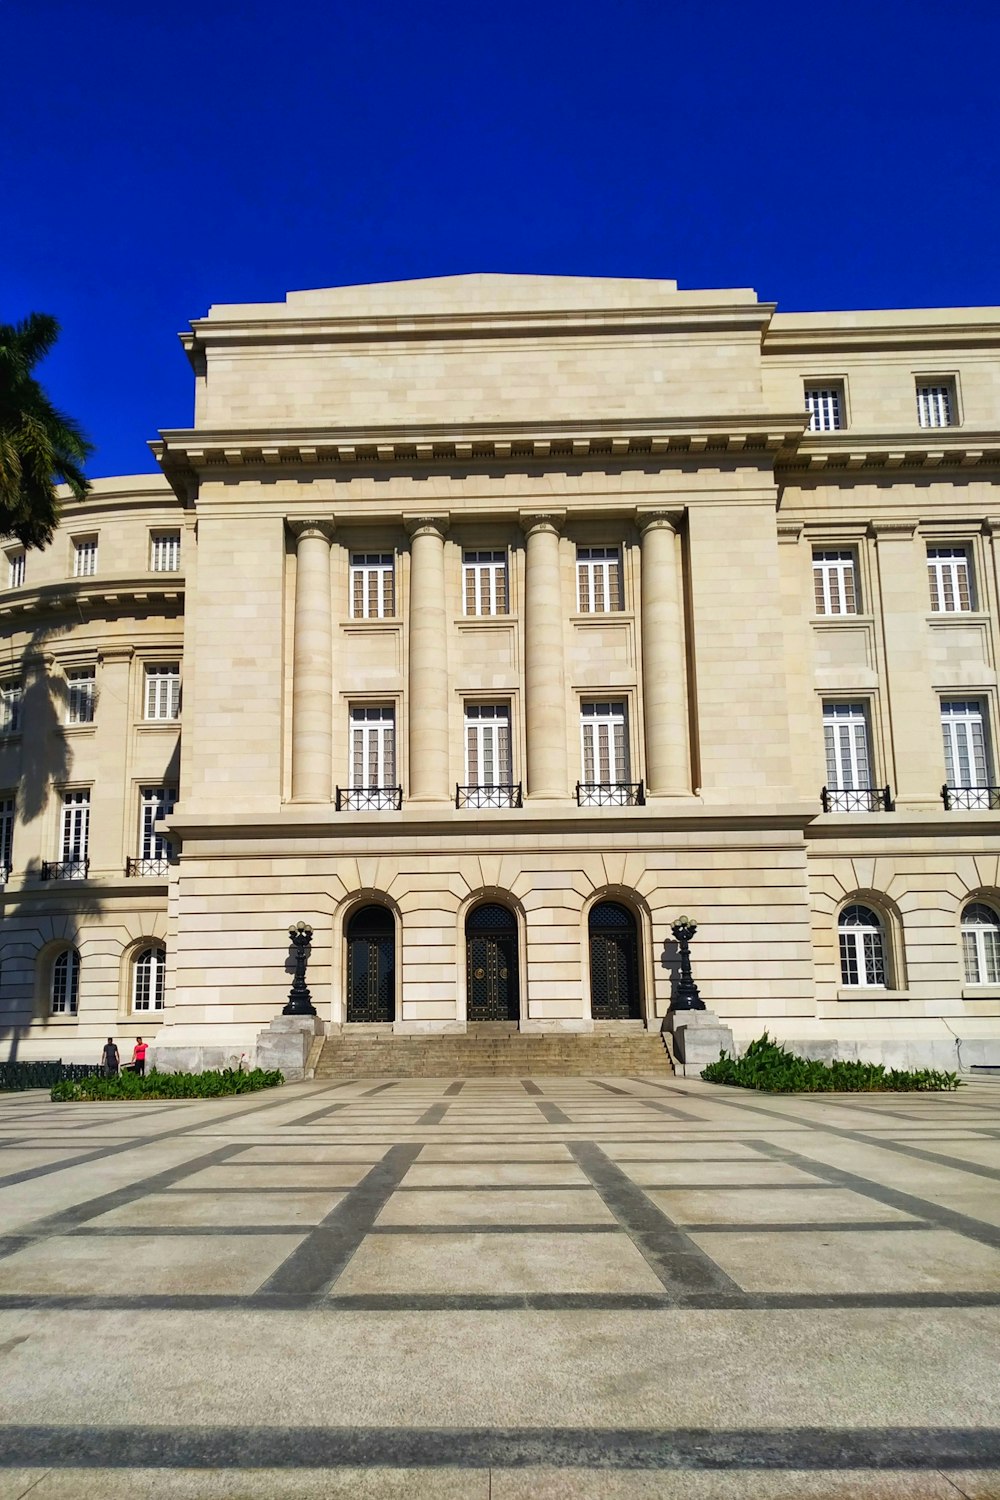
(428, 660)
(544, 676)
(663, 692)
(312, 665)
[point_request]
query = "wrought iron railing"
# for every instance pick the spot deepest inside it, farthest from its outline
(971, 798)
(369, 798)
(610, 794)
(147, 866)
(5, 872)
(65, 869)
(857, 799)
(488, 796)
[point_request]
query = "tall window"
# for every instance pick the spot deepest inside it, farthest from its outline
(164, 551)
(80, 686)
(8, 808)
(10, 706)
(825, 405)
(373, 595)
(835, 582)
(64, 987)
(15, 568)
(487, 745)
(845, 732)
(981, 944)
(862, 947)
(373, 747)
(84, 556)
(155, 802)
(484, 579)
(604, 744)
(74, 839)
(599, 579)
(148, 974)
(163, 691)
(950, 579)
(935, 403)
(966, 745)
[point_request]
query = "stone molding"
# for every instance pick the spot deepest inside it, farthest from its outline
(312, 528)
(427, 525)
(658, 520)
(542, 520)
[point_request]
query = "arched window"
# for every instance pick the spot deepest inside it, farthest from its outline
(64, 987)
(862, 947)
(148, 971)
(981, 943)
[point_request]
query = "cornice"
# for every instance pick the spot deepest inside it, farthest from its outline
(930, 448)
(872, 337)
(76, 593)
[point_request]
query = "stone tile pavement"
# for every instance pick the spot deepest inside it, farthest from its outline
(501, 1289)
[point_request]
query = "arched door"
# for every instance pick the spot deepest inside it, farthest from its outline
(614, 964)
(491, 963)
(371, 965)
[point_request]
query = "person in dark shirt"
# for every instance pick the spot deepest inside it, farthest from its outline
(110, 1059)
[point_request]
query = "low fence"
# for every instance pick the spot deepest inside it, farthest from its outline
(15, 1076)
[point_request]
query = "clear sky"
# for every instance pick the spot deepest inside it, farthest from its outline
(157, 159)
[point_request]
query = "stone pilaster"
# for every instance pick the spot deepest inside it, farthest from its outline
(544, 672)
(312, 665)
(428, 661)
(663, 669)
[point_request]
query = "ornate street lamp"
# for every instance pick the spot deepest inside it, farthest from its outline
(686, 996)
(299, 998)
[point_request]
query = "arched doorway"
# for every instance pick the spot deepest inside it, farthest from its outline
(491, 963)
(371, 965)
(614, 964)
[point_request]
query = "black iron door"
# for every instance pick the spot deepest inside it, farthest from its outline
(371, 965)
(491, 964)
(614, 964)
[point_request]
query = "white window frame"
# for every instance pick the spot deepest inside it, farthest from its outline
(74, 829)
(373, 585)
(84, 556)
(825, 403)
(981, 944)
(64, 983)
(162, 692)
(11, 698)
(848, 747)
(949, 571)
(488, 745)
(81, 695)
(600, 580)
(605, 761)
(164, 551)
(17, 567)
(148, 988)
(8, 815)
(484, 581)
(835, 581)
(864, 950)
(155, 802)
(372, 746)
(966, 735)
(936, 404)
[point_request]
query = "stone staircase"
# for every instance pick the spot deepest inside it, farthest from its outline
(492, 1051)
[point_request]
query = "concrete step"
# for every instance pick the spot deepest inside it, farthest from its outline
(499, 1054)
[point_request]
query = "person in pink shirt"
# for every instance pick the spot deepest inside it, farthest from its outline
(139, 1056)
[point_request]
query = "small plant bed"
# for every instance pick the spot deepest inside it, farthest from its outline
(766, 1066)
(166, 1085)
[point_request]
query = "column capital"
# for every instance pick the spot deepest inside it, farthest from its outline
(893, 531)
(427, 525)
(657, 520)
(542, 520)
(116, 652)
(38, 660)
(313, 528)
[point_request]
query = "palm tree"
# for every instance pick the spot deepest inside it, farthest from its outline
(39, 445)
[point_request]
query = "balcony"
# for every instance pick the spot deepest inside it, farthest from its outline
(489, 796)
(159, 867)
(369, 798)
(610, 794)
(971, 798)
(857, 799)
(65, 869)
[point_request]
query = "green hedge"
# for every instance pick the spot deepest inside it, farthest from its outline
(15, 1076)
(167, 1085)
(765, 1065)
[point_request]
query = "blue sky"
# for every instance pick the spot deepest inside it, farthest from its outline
(156, 160)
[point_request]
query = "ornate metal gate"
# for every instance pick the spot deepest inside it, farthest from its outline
(491, 963)
(614, 964)
(371, 965)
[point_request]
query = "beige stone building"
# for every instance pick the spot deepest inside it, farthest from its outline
(489, 623)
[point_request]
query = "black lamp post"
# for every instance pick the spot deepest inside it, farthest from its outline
(299, 999)
(686, 996)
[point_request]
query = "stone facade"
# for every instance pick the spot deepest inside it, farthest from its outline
(494, 599)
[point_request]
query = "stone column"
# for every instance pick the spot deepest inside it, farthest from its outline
(663, 666)
(544, 676)
(428, 661)
(312, 665)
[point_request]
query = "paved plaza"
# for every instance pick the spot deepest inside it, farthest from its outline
(499, 1289)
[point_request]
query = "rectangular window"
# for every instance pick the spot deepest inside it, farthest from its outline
(599, 579)
(604, 744)
(487, 745)
(835, 582)
(15, 568)
(10, 707)
(848, 761)
(936, 404)
(825, 405)
(80, 690)
(155, 802)
(373, 595)
(164, 551)
(8, 808)
(966, 744)
(75, 833)
(950, 580)
(373, 747)
(484, 579)
(84, 557)
(163, 692)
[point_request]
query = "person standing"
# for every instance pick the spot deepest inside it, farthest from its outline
(139, 1057)
(109, 1059)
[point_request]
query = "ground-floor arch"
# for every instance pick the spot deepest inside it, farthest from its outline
(371, 965)
(492, 977)
(615, 991)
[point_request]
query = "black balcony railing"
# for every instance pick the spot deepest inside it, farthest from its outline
(5, 871)
(65, 869)
(147, 867)
(488, 796)
(971, 798)
(369, 798)
(857, 799)
(610, 794)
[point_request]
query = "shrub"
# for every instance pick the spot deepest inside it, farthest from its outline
(765, 1065)
(156, 1085)
(15, 1076)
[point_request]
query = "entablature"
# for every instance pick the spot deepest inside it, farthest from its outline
(115, 594)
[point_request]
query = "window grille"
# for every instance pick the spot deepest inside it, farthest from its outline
(950, 579)
(484, 578)
(372, 585)
(604, 744)
(75, 834)
(10, 707)
(966, 745)
(85, 557)
(599, 579)
(155, 802)
(8, 809)
(862, 948)
(65, 983)
(835, 582)
(488, 745)
(80, 689)
(981, 944)
(825, 407)
(164, 551)
(148, 975)
(16, 568)
(373, 747)
(163, 692)
(935, 404)
(845, 732)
